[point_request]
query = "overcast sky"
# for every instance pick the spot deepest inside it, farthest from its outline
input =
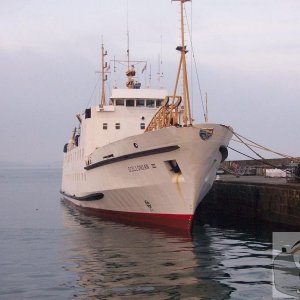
(247, 53)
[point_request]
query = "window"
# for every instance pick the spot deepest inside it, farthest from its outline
(87, 113)
(118, 126)
(142, 125)
(158, 103)
(140, 102)
(104, 126)
(129, 102)
(119, 102)
(150, 103)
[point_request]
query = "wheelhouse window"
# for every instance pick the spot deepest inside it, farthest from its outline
(142, 125)
(118, 126)
(129, 102)
(140, 102)
(150, 103)
(104, 126)
(119, 102)
(158, 103)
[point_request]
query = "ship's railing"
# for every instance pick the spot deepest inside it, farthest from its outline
(167, 115)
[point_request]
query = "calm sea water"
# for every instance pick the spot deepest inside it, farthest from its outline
(50, 251)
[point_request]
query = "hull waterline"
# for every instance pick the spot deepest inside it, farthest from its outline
(171, 223)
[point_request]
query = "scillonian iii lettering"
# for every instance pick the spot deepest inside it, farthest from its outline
(138, 168)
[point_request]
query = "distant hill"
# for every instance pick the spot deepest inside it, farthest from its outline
(7, 164)
(21, 165)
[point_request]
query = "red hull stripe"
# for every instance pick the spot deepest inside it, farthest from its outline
(183, 222)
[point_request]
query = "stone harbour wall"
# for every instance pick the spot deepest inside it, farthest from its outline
(266, 202)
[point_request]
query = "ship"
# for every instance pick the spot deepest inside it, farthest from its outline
(139, 156)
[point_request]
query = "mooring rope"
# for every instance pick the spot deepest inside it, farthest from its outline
(265, 148)
(262, 160)
(258, 160)
(256, 145)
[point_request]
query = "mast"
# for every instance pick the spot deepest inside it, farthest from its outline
(103, 75)
(130, 73)
(169, 113)
(187, 119)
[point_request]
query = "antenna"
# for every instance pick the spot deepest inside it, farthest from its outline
(161, 60)
(130, 73)
(160, 73)
(150, 77)
(127, 29)
(206, 108)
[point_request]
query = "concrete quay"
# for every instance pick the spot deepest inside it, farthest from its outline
(269, 200)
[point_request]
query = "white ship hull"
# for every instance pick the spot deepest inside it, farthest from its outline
(139, 156)
(156, 177)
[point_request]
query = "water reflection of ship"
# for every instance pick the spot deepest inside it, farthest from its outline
(113, 260)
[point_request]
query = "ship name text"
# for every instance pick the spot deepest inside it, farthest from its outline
(138, 168)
